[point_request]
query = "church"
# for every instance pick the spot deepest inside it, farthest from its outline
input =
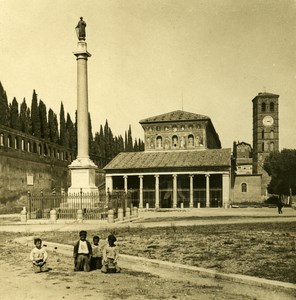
(183, 164)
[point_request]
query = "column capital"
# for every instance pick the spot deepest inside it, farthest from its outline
(125, 176)
(156, 175)
(140, 176)
(207, 175)
(175, 175)
(191, 175)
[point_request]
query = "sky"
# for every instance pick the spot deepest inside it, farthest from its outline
(151, 57)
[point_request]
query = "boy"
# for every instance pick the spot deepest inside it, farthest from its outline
(110, 256)
(96, 259)
(38, 257)
(82, 253)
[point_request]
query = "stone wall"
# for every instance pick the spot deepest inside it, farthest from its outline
(252, 192)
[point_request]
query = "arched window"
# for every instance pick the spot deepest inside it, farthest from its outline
(190, 141)
(271, 146)
(263, 107)
(23, 145)
(272, 134)
(9, 141)
(271, 107)
(263, 146)
(174, 141)
(262, 134)
(29, 147)
(1, 139)
(159, 142)
(16, 143)
(244, 187)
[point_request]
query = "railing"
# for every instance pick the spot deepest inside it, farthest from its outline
(93, 205)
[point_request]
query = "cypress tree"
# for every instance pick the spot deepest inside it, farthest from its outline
(70, 133)
(4, 109)
(35, 116)
(14, 115)
(53, 126)
(43, 120)
(63, 131)
(129, 140)
(25, 118)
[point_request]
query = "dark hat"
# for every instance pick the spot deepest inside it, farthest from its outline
(37, 240)
(82, 232)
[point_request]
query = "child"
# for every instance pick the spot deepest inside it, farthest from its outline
(110, 256)
(82, 253)
(96, 259)
(38, 257)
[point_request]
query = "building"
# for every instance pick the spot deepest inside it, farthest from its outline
(250, 180)
(183, 164)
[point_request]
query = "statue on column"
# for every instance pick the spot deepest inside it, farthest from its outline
(80, 30)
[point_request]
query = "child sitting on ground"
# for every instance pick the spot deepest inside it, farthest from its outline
(38, 256)
(82, 253)
(110, 256)
(96, 259)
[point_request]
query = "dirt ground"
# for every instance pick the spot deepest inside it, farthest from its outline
(265, 250)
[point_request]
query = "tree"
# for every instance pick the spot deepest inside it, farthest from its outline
(53, 126)
(4, 109)
(71, 135)
(281, 166)
(63, 131)
(43, 120)
(14, 115)
(25, 118)
(35, 116)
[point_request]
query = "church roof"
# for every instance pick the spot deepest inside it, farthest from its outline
(170, 159)
(177, 115)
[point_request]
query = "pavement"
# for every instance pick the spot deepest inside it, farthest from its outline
(156, 218)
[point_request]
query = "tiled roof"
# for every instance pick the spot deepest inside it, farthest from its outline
(177, 115)
(266, 95)
(170, 159)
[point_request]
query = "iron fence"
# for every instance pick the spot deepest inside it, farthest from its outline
(93, 205)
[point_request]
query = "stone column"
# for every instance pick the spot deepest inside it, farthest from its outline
(109, 183)
(141, 192)
(125, 183)
(175, 190)
(225, 190)
(82, 168)
(207, 190)
(156, 191)
(191, 191)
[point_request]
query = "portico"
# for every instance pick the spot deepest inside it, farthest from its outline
(162, 183)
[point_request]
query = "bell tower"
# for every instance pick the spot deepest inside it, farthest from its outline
(265, 132)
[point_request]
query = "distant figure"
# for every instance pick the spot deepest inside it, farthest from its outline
(38, 256)
(96, 259)
(80, 30)
(280, 206)
(82, 253)
(110, 256)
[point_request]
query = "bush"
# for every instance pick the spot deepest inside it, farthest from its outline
(272, 200)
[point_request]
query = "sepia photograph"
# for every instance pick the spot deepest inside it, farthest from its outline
(147, 149)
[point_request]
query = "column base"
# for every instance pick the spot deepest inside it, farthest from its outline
(83, 176)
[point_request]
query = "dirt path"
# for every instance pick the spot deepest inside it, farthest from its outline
(19, 282)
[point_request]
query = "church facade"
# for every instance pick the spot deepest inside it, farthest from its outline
(183, 164)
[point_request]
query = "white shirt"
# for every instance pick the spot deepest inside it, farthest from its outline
(83, 249)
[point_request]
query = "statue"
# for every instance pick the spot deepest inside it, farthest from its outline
(80, 29)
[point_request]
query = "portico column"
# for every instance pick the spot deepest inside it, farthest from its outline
(156, 191)
(225, 189)
(191, 191)
(125, 183)
(109, 183)
(141, 192)
(207, 190)
(174, 190)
